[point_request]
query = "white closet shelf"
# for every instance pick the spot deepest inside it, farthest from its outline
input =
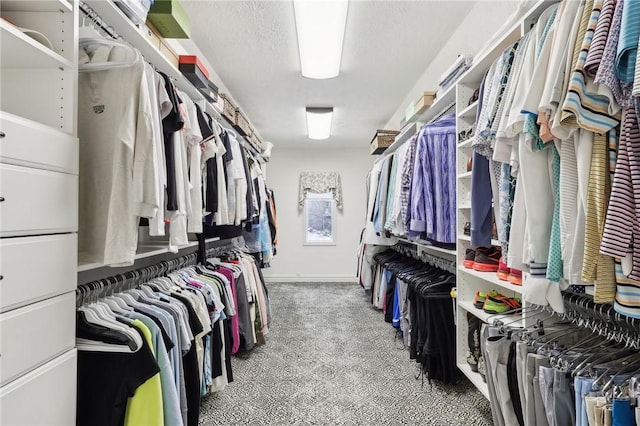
(469, 111)
(424, 245)
(406, 134)
(144, 251)
(113, 16)
(475, 378)
(466, 144)
(514, 320)
(465, 175)
(468, 238)
(36, 6)
(21, 51)
(493, 279)
(442, 101)
(464, 207)
(148, 249)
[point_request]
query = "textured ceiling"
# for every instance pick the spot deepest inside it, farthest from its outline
(388, 45)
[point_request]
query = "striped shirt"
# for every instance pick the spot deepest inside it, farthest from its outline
(582, 109)
(627, 294)
(606, 74)
(622, 227)
(628, 42)
(433, 190)
(406, 178)
(599, 40)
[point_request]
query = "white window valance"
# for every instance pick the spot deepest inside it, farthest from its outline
(320, 183)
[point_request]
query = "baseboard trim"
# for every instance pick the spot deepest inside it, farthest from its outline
(310, 279)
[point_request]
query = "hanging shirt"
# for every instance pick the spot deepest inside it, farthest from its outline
(117, 160)
(160, 109)
(146, 406)
(433, 193)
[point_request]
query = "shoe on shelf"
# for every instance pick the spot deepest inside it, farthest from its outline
(515, 276)
(473, 341)
(482, 369)
(469, 258)
(503, 270)
(487, 259)
(481, 297)
(501, 305)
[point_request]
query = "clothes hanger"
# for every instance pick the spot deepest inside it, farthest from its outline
(89, 45)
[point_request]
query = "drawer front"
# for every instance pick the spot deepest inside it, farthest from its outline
(22, 283)
(45, 396)
(25, 142)
(35, 334)
(37, 201)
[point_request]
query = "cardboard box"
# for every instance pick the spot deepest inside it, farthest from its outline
(382, 140)
(242, 124)
(424, 102)
(229, 110)
(194, 70)
(170, 19)
(210, 92)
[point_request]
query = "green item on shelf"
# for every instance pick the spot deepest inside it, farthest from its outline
(170, 19)
(501, 305)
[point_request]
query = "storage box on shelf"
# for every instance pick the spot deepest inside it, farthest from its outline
(170, 18)
(242, 124)
(382, 140)
(230, 109)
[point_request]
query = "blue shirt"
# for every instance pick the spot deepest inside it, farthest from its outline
(433, 186)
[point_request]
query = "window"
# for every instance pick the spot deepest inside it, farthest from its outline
(319, 219)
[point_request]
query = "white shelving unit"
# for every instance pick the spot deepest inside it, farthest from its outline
(470, 281)
(38, 211)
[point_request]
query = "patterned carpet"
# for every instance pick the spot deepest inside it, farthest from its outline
(332, 360)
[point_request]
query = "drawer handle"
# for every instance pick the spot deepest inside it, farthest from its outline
(1, 199)
(2, 135)
(1, 277)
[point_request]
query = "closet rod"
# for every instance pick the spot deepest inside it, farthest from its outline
(600, 319)
(131, 279)
(448, 109)
(444, 264)
(97, 20)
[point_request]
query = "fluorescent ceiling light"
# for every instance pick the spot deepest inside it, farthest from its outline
(319, 123)
(320, 26)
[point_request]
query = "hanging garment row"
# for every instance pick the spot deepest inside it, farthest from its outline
(415, 298)
(581, 368)
(149, 153)
(153, 347)
(413, 191)
(553, 150)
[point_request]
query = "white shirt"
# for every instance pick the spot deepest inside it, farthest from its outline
(117, 184)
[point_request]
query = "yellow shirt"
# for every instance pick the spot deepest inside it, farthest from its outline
(145, 407)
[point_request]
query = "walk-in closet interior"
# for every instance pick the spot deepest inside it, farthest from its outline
(319, 212)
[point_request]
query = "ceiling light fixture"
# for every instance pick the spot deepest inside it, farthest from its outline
(320, 26)
(319, 122)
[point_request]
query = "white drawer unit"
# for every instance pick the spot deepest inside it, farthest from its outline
(45, 396)
(55, 274)
(27, 143)
(35, 334)
(34, 201)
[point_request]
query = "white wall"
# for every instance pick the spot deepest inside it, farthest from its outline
(295, 261)
(474, 33)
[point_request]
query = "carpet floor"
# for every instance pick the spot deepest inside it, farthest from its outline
(330, 359)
